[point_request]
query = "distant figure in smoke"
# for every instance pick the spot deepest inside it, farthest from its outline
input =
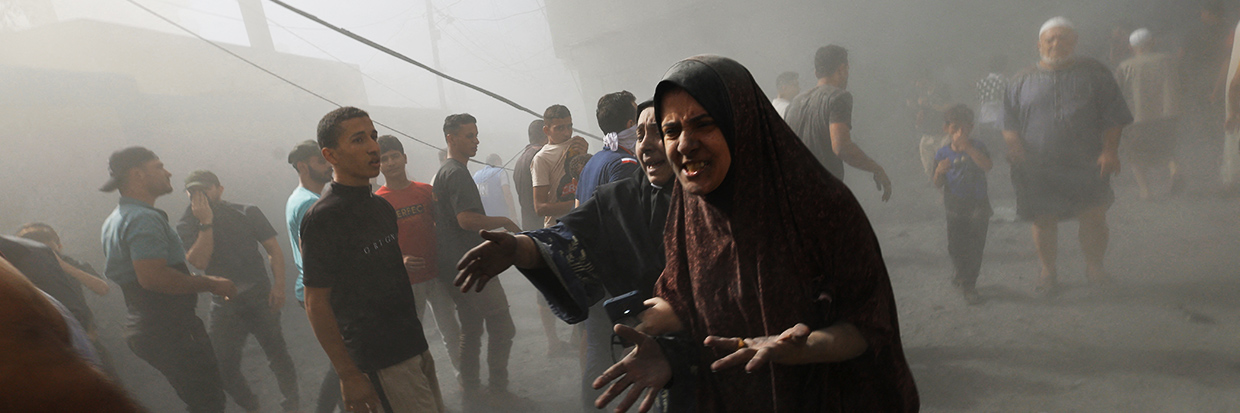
(145, 257)
(415, 216)
(787, 87)
(313, 172)
(960, 170)
(928, 100)
(990, 90)
(42, 365)
(553, 197)
(84, 274)
(822, 117)
(222, 238)
(493, 186)
(358, 297)
(459, 215)
(1062, 121)
(611, 245)
(1118, 46)
(771, 265)
(1203, 58)
(522, 177)
(1149, 81)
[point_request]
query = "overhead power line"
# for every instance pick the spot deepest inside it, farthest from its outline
(277, 76)
(406, 59)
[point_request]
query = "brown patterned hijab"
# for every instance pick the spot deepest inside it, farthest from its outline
(780, 242)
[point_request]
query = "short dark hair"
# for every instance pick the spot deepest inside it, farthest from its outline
(786, 78)
(556, 112)
(641, 107)
(390, 143)
(536, 133)
(615, 110)
(454, 122)
(959, 114)
(829, 59)
(38, 231)
(329, 126)
(305, 150)
(495, 160)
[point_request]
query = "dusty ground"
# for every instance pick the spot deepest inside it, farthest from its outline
(1163, 339)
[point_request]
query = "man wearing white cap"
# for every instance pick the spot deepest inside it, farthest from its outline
(1062, 121)
(1148, 81)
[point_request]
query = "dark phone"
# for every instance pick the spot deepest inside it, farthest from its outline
(623, 309)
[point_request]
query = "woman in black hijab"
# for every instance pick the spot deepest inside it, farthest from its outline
(771, 264)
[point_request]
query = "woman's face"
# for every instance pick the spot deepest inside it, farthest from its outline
(694, 144)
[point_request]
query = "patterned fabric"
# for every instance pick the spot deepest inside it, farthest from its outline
(782, 243)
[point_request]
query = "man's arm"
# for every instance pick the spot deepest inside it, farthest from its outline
(544, 207)
(473, 221)
(276, 257)
(199, 254)
(1016, 146)
(355, 385)
(1109, 160)
(850, 153)
(95, 284)
(1233, 103)
(155, 275)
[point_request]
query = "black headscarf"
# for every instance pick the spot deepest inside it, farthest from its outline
(781, 242)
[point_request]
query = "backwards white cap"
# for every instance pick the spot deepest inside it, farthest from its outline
(1140, 37)
(1054, 22)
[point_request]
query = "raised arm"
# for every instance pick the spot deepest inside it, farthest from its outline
(543, 205)
(94, 284)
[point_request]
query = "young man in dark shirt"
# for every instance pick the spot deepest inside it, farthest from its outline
(459, 215)
(522, 178)
(222, 238)
(822, 118)
(358, 296)
(145, 257)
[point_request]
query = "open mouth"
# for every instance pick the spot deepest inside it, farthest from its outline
(692, 169)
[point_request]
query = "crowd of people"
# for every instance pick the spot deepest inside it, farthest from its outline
(711, 235)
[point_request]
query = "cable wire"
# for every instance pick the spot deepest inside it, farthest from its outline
(406, 59)
(277, 76)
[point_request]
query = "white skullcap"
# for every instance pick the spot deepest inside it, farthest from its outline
(1140, 37)
(1054, 22)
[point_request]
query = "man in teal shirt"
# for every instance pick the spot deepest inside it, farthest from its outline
(313, 172)
(145, 257)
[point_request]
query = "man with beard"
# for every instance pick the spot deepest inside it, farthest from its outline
(611, 245)
(1062, 121)
(145, 257)
(222, 238)
(313, 172)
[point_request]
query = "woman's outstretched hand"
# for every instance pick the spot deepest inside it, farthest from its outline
(487, 260)
(759, 351)
(643, 368)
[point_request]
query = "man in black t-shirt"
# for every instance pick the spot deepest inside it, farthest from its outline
(358, 296)
(222, 238)
(822, 118)
(522, 178)
(459, 215)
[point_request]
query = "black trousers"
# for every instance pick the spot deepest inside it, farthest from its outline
(232, 322)
(183, 354)
(966, 240)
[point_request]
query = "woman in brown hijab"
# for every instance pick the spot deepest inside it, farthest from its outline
(771, 265)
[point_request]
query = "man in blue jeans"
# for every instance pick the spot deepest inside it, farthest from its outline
(145, 257)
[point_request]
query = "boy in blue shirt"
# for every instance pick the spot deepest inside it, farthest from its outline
(961, 172)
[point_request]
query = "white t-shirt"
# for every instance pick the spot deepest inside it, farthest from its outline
(547, 170)
(781, 106)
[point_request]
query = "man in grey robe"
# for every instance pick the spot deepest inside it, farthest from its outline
(1062, 121)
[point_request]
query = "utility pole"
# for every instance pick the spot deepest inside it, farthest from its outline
(430, 22)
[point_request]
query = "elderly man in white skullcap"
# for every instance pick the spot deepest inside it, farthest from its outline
(1062, 120)
(1148, 81)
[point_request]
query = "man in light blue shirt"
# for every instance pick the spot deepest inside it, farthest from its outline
(313, 172)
